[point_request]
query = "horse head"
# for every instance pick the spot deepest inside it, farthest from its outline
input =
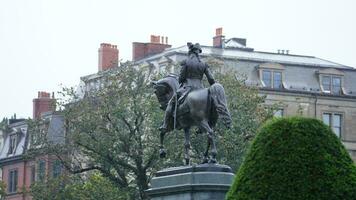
(165, 88)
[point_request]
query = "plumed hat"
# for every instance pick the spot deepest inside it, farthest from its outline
(193, 47)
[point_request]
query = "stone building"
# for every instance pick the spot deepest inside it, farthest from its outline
(300, 85)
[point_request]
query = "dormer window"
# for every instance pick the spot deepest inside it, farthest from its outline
(331, 81)
(271, 75)
(331, 84)
(12, 145)
(272, 78)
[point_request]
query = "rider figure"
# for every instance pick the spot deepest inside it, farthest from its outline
(190, 78)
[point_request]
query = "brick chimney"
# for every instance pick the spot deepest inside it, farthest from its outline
(157, 45)
(108, 56)
(218, 39)
(43, 103)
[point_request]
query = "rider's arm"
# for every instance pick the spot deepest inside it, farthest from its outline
(183, 72)
(209, 75)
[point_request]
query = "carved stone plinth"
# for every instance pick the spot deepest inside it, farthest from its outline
(197, 182)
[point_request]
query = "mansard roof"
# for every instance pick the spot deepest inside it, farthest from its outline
(257, 56)
(19, 130)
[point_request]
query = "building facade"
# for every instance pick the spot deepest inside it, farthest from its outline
(18, 171)
(298, 84)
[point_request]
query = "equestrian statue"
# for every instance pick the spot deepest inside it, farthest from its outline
(187, 103)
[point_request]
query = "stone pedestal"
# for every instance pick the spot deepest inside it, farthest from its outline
(197, 182)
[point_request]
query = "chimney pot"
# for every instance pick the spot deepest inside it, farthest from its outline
(155, 39)
(108, 56)
(156, 45)
(219, 39)
(218, 31)
(43, 104)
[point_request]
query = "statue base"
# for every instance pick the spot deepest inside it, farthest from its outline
(196, 182)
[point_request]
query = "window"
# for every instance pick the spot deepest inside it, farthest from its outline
(331, 84)
(336, 121)
(326, 83)
(333, 120)
(33, 174)
(41, 170)
(57, 168)
(336, 86)
(272, 78)
(267, 78)
(12, 146)
(12, 182)
(278, 113)
(352, 153)
(277, 79)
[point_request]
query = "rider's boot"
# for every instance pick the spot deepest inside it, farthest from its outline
(164, 127)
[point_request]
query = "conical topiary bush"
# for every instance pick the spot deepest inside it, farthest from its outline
(295, 158)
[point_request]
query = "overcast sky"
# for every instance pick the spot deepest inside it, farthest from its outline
(48, 43)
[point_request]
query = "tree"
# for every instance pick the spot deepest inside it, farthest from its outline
(2, 190)
(114, 129)
(74, 187)
(295, 158)
(4, 125)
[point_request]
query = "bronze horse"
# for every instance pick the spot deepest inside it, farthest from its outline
(201, 108)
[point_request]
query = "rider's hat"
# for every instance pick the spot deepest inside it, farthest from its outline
(193, 47)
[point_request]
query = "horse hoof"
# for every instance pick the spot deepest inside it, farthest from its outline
(213, 161)
(162, 153)
(187, 161)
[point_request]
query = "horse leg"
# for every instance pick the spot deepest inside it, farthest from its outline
(206, 153)
(186, 146)
(213, 147)
(211, 142)
(162, 151)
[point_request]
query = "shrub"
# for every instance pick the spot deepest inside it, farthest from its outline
(295, 158)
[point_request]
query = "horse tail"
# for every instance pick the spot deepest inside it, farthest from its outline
(217, 94)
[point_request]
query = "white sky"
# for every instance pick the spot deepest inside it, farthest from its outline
(46, 43)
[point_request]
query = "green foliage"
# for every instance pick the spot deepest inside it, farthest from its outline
(248, 114)
(2, 189)
(115, 129)
(51, 189)
(295, 158)
(72, 187)
(4, 124)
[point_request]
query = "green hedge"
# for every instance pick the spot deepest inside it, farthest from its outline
(295, 158)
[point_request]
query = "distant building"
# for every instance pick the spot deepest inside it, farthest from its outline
(300, 85)
(19, 172)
